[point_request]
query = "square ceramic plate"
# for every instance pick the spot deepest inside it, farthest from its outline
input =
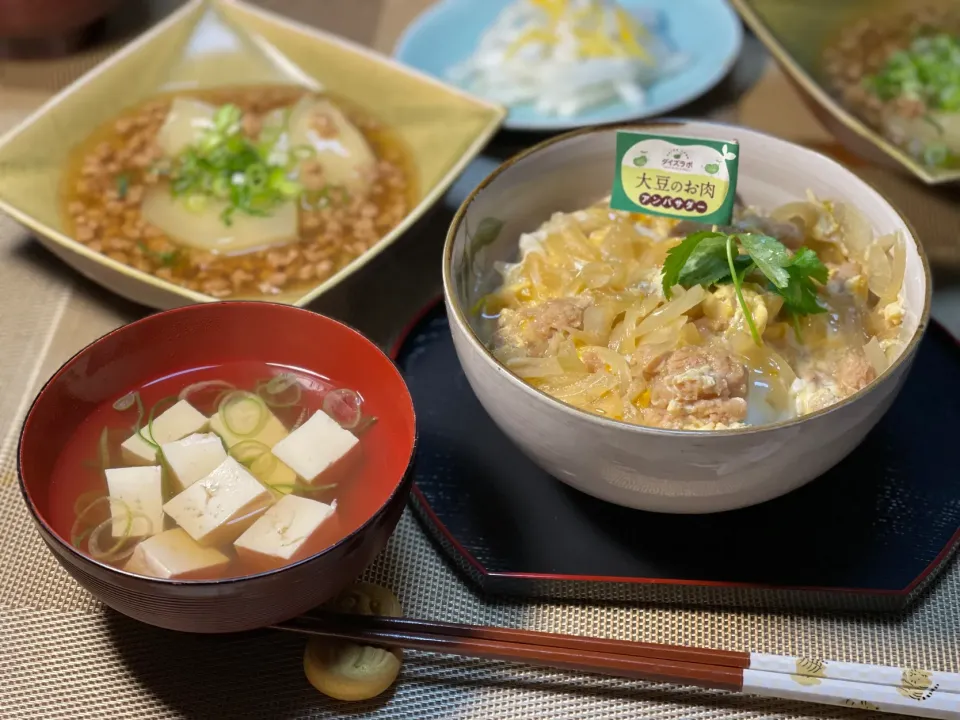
(796, 33)
(223, 42)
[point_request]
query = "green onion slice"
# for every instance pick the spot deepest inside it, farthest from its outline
(78, 533)
(301, 419)
(344, 406)
(148, 436)
(86, 500)
(103, 448)
(366, 422)
(263, 466)
(204, 385)
(287, 488)
(119, 550)
(126, 402)
(283, 390)
(243, 413)
(246, 452)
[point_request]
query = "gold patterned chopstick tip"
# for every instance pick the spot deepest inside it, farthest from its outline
(903, 699)
(809, 671)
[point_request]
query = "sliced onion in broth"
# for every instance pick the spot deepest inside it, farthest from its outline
(674, 308)
(897, 269)
(879, 272)
(614, 361)
(535, 367)
(806, 212)
(875, 355)
(857, 231)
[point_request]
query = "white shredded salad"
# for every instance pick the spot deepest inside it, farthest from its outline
(566, 56)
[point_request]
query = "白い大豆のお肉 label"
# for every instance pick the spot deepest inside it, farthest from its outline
(680, 177)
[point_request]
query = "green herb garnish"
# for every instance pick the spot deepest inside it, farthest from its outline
(123, 184)
(928, 71)
(713, 258)
(227, 166)
(165, 258)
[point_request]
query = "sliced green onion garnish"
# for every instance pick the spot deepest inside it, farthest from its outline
(301, 419)
(283, 390)
(126, 402)
(78, 533)
(243, 413)
(138, 424)
(103, 448)
(287, 488)
(116, 551)
(344, 406)
(225, 164)
(246, 452)
(303, 152)
(148, 436)
(196, 203)
(366, 422)
(86, 500)
(264, 465)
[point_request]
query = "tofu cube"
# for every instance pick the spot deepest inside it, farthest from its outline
(216, 509)
(270, 434)
(283, 530)
(177, 556)
(137, 451)
(192, 458)
(174, 423)
(140, 489)
(315, 446)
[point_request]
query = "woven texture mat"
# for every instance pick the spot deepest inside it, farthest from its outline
(62, 655)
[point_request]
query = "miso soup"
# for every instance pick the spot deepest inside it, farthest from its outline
(216, 472)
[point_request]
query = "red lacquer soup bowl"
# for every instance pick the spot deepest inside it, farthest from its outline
(193, 339)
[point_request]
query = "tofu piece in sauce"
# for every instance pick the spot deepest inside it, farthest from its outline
(175, 555)
(283, 530)
(315, 446)
(218, 508)
(192, 458)
(174, 423)
(140, 489)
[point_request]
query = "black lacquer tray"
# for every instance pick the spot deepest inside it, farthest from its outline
(870, 534)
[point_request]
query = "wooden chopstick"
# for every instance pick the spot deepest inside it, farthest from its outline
(706, 656)
(912, 692)
(635, 668)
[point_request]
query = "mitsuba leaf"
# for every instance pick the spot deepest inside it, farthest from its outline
(678, 256)
(770, 256)
(806, 261)
(707, 264)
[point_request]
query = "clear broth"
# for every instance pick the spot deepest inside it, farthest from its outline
(78, 475)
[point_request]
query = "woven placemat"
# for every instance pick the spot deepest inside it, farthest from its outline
(63, 655)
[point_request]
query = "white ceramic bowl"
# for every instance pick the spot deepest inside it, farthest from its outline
(672, 471)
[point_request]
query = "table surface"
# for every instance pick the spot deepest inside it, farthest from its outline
(63, 655)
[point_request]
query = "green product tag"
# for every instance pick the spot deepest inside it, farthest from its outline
(679, 177)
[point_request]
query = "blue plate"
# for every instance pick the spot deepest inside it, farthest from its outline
(707, 31)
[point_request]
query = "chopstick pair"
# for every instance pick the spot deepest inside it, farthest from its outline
(920, 693)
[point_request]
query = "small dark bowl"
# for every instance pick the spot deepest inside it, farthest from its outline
(208, 334)
(42, 19)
